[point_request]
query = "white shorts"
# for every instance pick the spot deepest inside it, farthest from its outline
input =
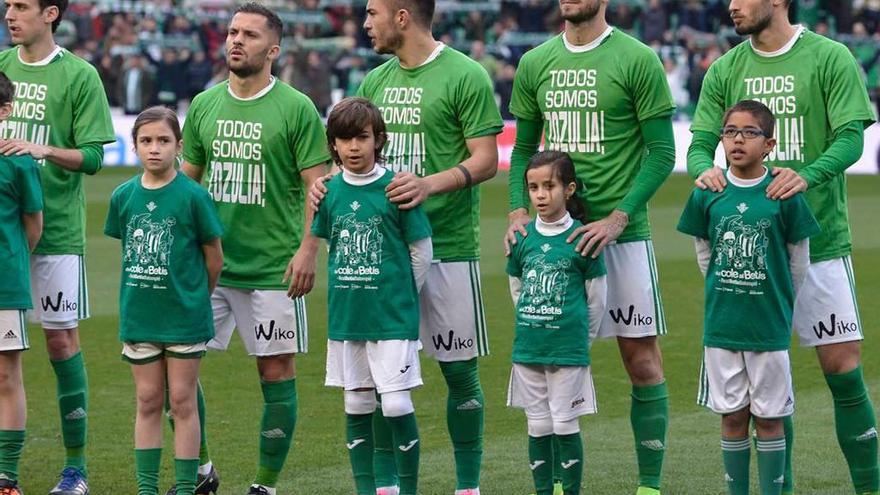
(452, 325)
(59, 290)
(825, 310)
(559, 392)
(633, 308)
(147, 352)
(733, 380)
(269, 323)
(386, 365)
(13, 330)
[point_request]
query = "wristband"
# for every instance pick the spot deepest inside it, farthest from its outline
(468, 180)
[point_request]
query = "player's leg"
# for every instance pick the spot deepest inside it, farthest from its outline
(453, 331)
(384, 466)
(397, 407)
(528, 390)
(826, 317)
(275, 331)
(724, 388)
(13, 410)
(635, 317)
(772, 399)
(148, 370)
(736, 450)
(183, 373)
(571, 395)
(60, 293)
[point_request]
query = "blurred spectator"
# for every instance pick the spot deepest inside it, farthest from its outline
(288, 69)
(676, 76)
(199, 71)
(314, 80)
(478, 53)
(655, 22)
(504, 88)
(171, 73)
(135, 87)
(109, 68)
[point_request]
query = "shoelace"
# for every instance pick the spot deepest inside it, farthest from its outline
(70, 477)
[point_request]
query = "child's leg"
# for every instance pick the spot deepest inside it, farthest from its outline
(541, 453)
(149, 381)
(359, 407)
(771, 455)
(571, 454)
(397, 407)
(736, 450)
(183, 375)
(13, 414)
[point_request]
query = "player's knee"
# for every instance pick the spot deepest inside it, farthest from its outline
(644, 366)
(10, 380)
(359, 401)
(62, 344)
(540, 427)
(736, 422)
(276, 368)
(182, 404)
(568, 427)
(396, 404)
(463, 379)
(150, 402)
(769, 427)
(841, 358)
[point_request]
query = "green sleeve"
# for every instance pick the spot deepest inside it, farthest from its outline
(799, 220)
(93, 158)
(208, 226)
(528, 136)
(193, 148)
(91, 112)
(475, 106)
(651, 95)
(657, 165)
(111, 224)
(523, 99)
(701, 154)
(415, 224)
(31, 197)
(693, 219)
(846, 149)
(846, 97)
(308, 139)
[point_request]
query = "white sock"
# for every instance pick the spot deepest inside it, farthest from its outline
(388, 490)
(205, 468)
(468, 491)
(268, 489)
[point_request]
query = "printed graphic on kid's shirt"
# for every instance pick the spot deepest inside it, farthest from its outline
(544, 285)
(148, 250)
(741, 254)
(358, 249)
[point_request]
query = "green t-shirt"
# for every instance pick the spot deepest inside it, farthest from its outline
(552, 321)
(254, 151)
(19, 193)
(372, 292)
(592, 104)
(163, 294)
(430, 112)
(61, 104)
(749, 293)
(813, 89)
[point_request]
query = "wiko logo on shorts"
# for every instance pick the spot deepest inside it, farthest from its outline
(60, 303)
(835, 327)
(452, 342)
(632, 318)
(273, 333)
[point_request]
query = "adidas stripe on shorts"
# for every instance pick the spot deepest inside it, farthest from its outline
(13, 330)
(59, 290)
(634, 308)
(452, 324)
(825, 310)
(268, 322)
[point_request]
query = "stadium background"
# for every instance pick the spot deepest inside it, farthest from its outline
(165, 52)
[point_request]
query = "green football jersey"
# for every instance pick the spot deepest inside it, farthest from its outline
(163, 294)
(591, 103)
(20, 193)
(430, 111)
(813, 89)
(372, 292)
(749, 293)
(552, 320)
(254, 151)
(61, 104)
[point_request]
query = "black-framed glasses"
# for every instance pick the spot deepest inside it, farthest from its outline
(730, 132)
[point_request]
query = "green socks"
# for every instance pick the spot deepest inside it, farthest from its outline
(204, 455)
(406, 452)
(771, 465)
(186, 472)
(464, 419)
(359, 441)
(856, 427)
(736, 453)
(146, 462)
(788, 426)
(384, 466)
(541, 463)
(571, 460)
(276, 429)
(650, 419)
(11, 445)
(73, 391)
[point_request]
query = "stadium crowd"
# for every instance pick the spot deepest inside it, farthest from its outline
(166, 51)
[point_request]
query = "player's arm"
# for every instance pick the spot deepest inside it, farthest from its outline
(528, 137)
(86, 159)
(798, 262)
(213, 251)
(704, 254)
(300, 272)
(409, 190)
(421, 252)
(656, 167)
(33, 228)
(194, 172)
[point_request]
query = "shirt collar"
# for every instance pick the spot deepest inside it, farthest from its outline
(589, 46)
(363, 179)
(45, 61)
(798, 32)
(554, 228)
(259, 94)
(745, 182)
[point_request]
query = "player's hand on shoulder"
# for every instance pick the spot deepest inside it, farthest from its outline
(712, 179)
(785, 184)
(594, 236)
(318, 191)
(10, 147)
(300, 272)
(516, 222)
(407, 190)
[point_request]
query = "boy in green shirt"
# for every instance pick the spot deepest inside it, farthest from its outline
(754, 252)
(378, 260)
(21, 223)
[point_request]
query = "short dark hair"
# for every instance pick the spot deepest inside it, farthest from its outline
(62, 6)
(348, 119)
(7, 90)
(156, 114)
(756, 109)
(272, 19)
(422, 11)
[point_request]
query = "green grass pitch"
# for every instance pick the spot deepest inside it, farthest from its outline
(318, 462)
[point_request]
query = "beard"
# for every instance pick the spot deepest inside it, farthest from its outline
(761, 22)
(393, 42)
(247, 67)
(587, 14)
